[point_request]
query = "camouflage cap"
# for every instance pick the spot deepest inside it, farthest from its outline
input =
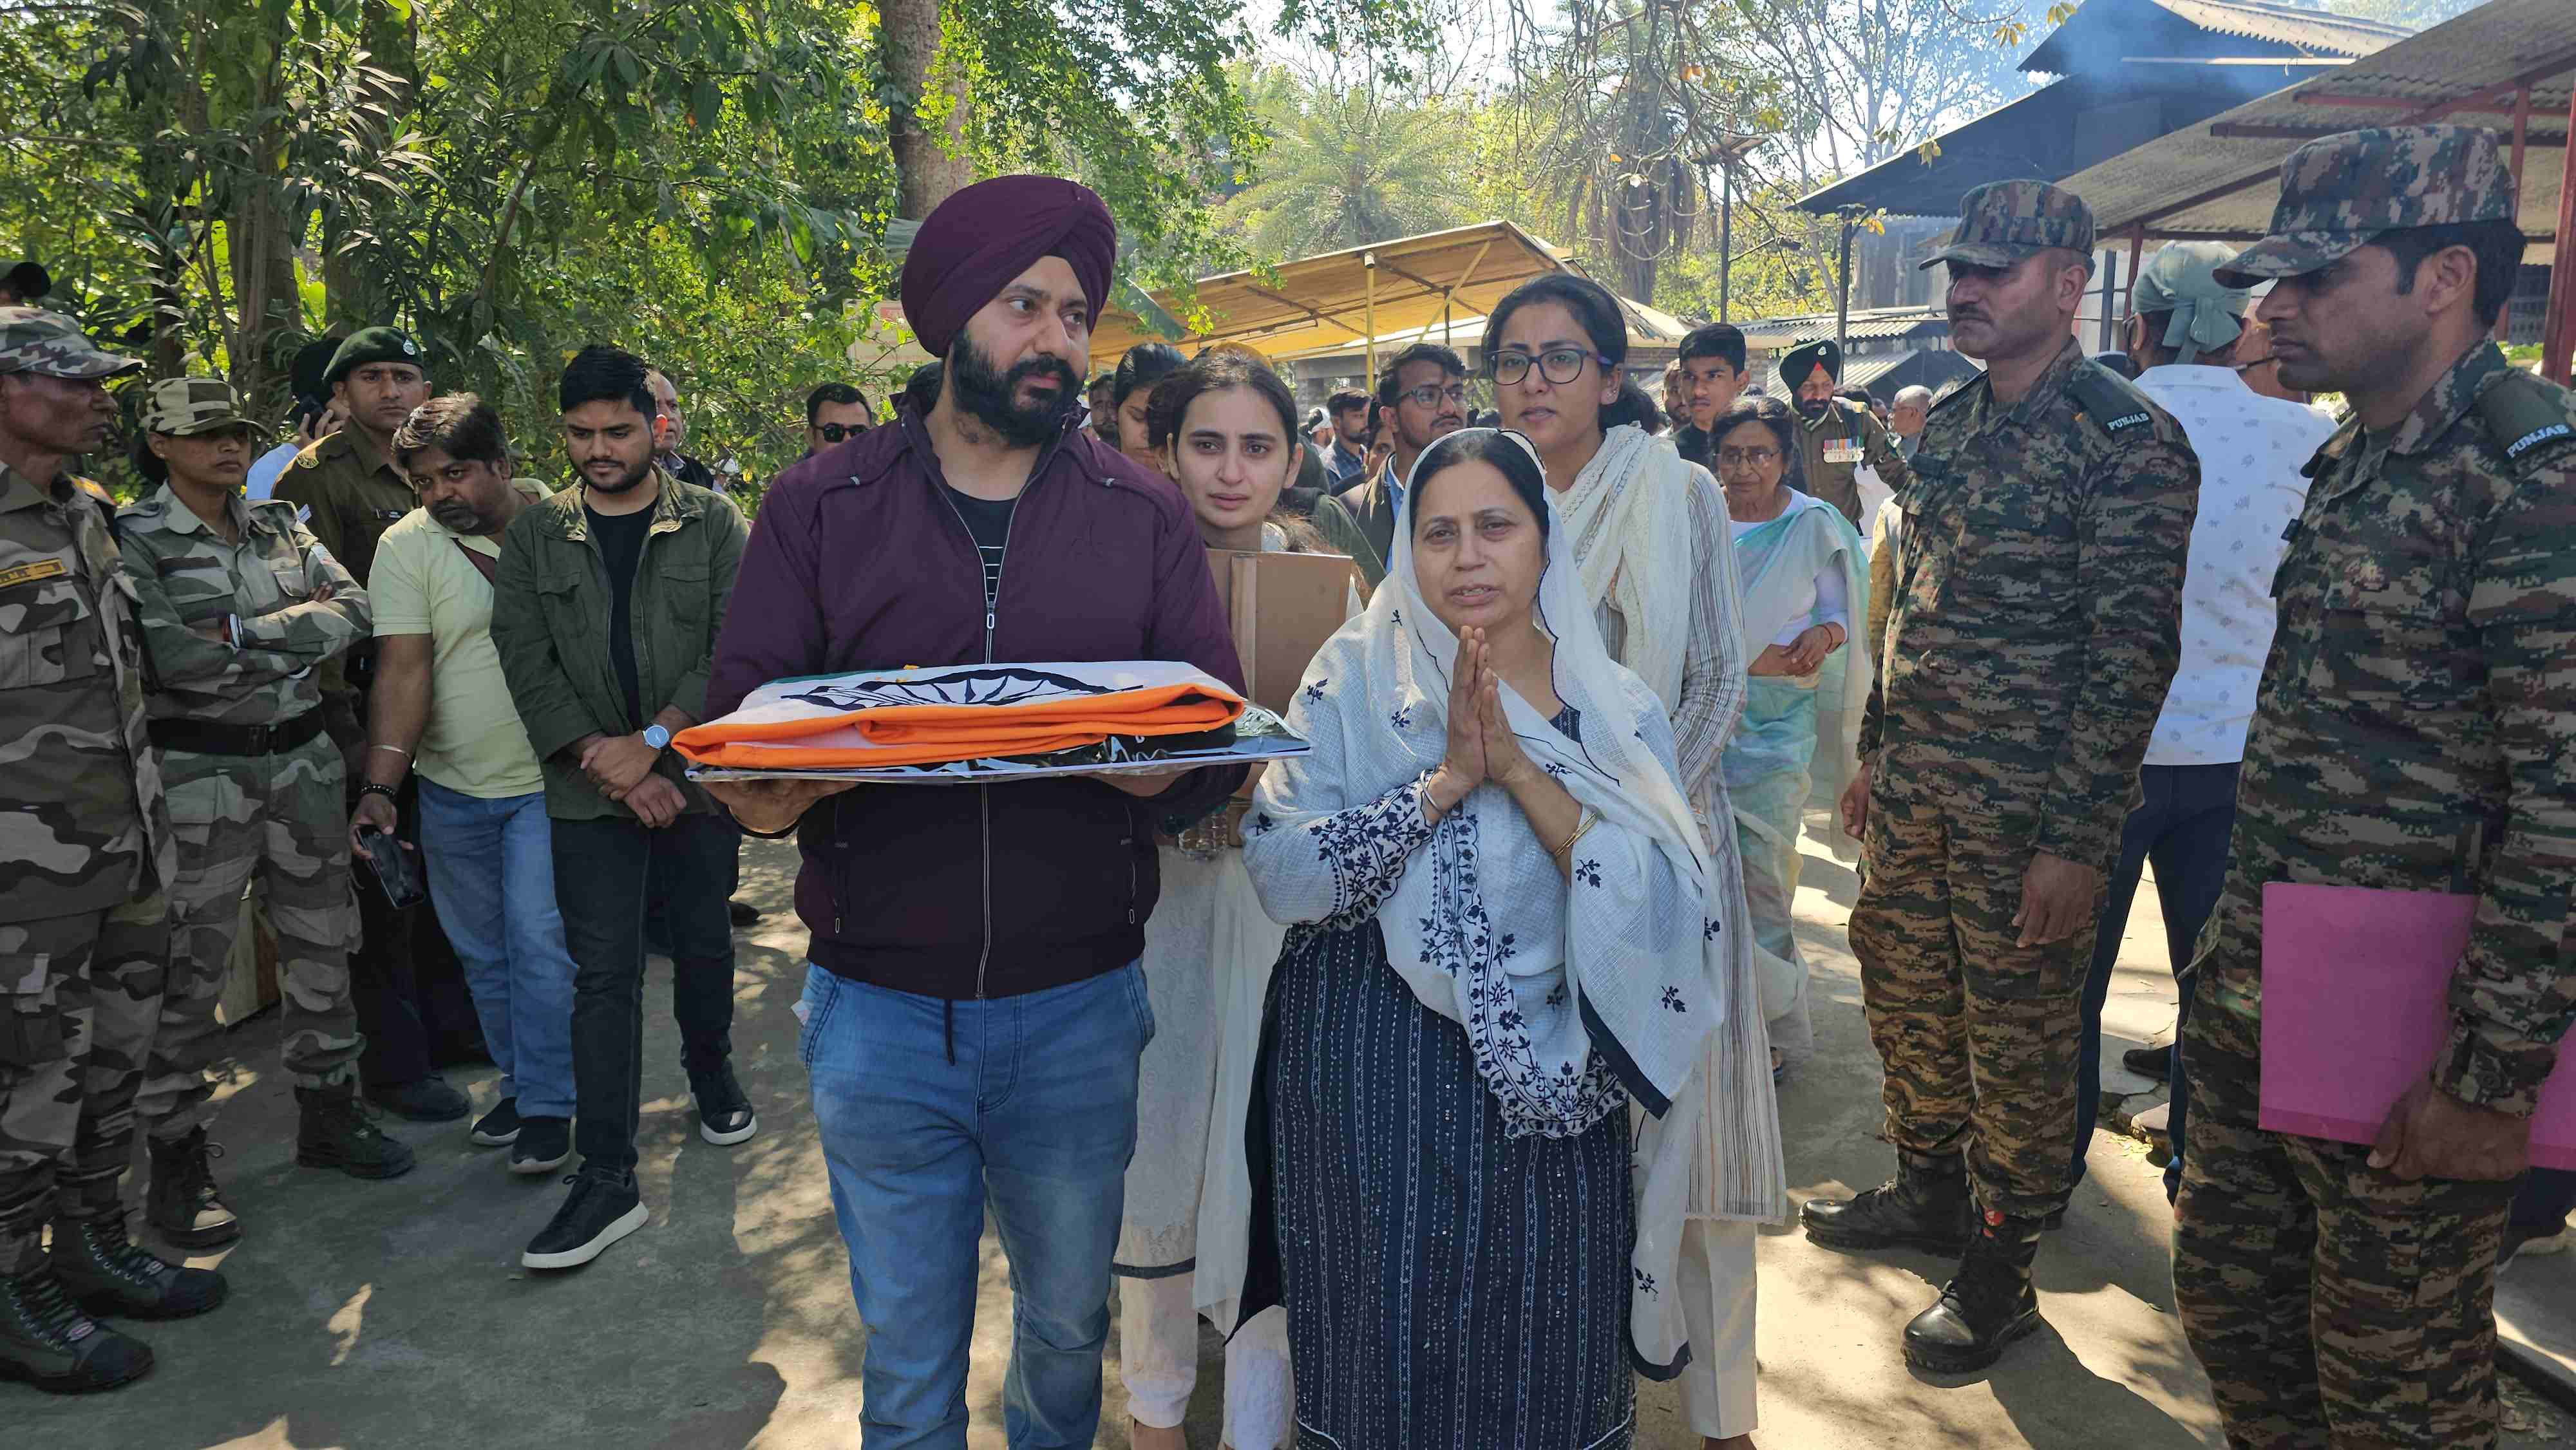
(2340, 192)
(33, 340)
(2002, 222)
(182, 406)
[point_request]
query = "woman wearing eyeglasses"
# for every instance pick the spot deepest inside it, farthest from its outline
(1650, 544)
(1805, 588)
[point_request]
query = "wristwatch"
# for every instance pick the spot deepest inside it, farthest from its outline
(656, 736)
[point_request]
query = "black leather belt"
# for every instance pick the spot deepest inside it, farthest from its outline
(206, 737)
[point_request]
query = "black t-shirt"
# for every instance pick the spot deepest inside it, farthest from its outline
(621, 543)
(989, 520)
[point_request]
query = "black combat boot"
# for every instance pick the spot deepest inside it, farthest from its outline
(47, 1341)
(182, 1206)
(1988, 1306)
(107, 1274)
(334, 1129)
(1925, 1206)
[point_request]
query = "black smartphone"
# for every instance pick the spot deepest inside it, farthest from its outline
(397, 871)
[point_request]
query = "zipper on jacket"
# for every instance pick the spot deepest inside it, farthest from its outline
(992, 609)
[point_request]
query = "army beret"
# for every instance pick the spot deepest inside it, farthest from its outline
(373, 345)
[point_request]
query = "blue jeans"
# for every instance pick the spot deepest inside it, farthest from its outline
(931, 1109)
(492, 878)
(2182, 824)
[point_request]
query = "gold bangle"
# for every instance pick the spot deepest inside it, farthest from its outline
(1582, 823)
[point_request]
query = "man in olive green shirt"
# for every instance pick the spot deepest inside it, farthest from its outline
(605, 609)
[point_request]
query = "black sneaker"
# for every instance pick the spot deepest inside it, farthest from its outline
(742, 912)
(47, 1341)
(2149, 1062)
(422, 1100)
(544, 1144)
(724, 1112)
(601, 1210)
(498, 1128)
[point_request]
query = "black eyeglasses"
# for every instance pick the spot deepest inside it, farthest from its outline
(835, 432)
(1559, 365)
(1430, 395)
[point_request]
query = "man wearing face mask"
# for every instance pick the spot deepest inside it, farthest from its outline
(1841, 435)
(605, 608)
(240, 605)
(2034, 626)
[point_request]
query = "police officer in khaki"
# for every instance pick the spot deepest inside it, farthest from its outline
(2416, 733)
(2036, 620)
(85, 855)
(411, 995)
(241, 607)
(1841, 436)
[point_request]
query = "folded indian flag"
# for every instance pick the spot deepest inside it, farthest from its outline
(878, 718)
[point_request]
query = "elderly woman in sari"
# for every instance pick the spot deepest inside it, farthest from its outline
(1805, 585)
(1503, 936)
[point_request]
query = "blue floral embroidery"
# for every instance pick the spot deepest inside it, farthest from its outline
(1402, 719)
(1708, 930)
(1645, 1281)
(1673, 999)
(1589, 873)
(1366, 847)
(1559, 771)
(1315, 691)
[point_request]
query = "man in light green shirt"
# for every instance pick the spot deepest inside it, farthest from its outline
(441, 708)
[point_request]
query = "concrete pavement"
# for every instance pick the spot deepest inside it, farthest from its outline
(394, 1315)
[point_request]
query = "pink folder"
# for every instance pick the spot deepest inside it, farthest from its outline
(2355, 1011)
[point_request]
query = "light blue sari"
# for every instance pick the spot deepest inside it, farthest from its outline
(1771, 759)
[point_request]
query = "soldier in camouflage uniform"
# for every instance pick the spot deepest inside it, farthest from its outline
(410, 989)
(240, 608)
(1840, 435)
(85, 853)
(2036, 621)
(2413, 733)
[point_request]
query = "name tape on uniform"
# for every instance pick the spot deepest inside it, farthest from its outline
(30, 573)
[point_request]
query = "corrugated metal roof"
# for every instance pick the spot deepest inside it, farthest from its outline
(2311, 31)
(2493, 45)
(1865, 325)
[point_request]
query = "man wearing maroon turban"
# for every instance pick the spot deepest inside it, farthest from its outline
(974, 1011)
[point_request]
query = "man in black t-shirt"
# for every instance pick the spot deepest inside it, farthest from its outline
(605, 611)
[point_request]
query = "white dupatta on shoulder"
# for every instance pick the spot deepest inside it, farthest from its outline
(1576, 995)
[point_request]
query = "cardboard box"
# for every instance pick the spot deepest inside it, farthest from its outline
(1283, 607)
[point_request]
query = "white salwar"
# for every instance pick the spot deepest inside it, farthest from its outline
(1651, 542)
(1186, 1238)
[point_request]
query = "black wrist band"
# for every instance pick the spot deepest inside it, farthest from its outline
(372, 788)
(778, 835)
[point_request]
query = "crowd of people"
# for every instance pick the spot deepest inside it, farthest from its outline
(1435, 1067)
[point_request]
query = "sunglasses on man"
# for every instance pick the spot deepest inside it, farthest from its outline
(835, 432)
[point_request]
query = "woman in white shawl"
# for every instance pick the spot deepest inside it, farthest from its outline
(1650, 540)
(1805, 589)
(1503, 939)
(1224, 428)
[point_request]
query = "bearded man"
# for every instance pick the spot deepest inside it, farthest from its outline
(974, 1015)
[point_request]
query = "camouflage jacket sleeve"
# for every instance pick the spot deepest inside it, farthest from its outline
(724, 561)
(2132, 534)
(313, 629)
(181, 657)
(2515, 991)
(1879, 446)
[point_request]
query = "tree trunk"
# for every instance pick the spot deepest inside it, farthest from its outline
(392, 45)
(929, 156)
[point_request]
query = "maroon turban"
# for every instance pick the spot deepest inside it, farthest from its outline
(981, 238)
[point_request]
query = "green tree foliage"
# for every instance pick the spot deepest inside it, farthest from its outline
(1352, 167)
(218, 181)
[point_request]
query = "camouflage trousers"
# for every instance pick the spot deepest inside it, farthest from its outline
(2333, 1304)
(1978, 1036)
(78, 999)
(276, 819)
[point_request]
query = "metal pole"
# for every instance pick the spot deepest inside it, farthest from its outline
(2562, 272)
(1842, 292)
(1726, 243)
(2110, 288)
(2521, 135)
(1368, 284)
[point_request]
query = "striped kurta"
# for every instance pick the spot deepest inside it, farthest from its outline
(1447, 1286)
